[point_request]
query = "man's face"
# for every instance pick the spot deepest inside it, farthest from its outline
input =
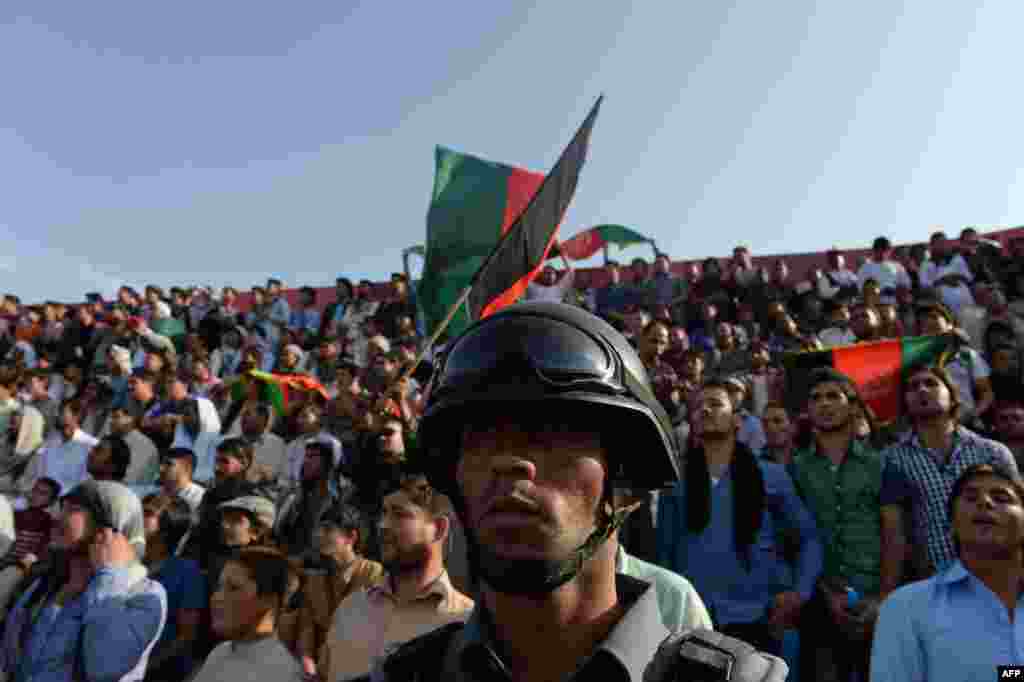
(988, 517)
(1009, 424)
(99, 463)
(716, 416)
(406, 533)
(77, 529)
(693, 366)
(548, 276)
(273, 289)
(398, 288)
(829, 407)
(710, 312)
(258, 297)
(172, 469)
(40, 496)
(724, 335)
(391, 440)
(289, 358)
(781, 271)
(308, 421)
(84, 316)
(934, 322)
(532, 486)
(121, 422)
(836, 261)
(69, 422)
(927, 396)
(655, 341)
(662, 265)
(227, 466)
(344, 377)
(759, 357)
(777, 427)
(142, 390)
(864, 322)
(177, 390)
(237, 529)
(614, 275)
(840, 317)
(335, 542)
(153, 362)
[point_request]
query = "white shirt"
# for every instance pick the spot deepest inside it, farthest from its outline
(966, 367)
(956, 297)
(889, 275)
(535, 291)
(66, 461)
(264, 659)
(296, 453)
(209, 422)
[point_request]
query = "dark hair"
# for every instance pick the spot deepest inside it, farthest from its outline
(175, 522)
(977, 471)
(347, 518)
(9, 376)
(412, 481)
(268, 568)
(308, 291)
(942, 375)
(74, 405)
(120, 456)
(749, 494)
(237, 448)
(182, 453)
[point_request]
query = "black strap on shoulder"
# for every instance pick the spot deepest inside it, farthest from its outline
(421, 659)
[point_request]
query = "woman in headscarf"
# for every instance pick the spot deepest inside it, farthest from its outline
(18, 447)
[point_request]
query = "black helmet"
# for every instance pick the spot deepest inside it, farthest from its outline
(550, 352)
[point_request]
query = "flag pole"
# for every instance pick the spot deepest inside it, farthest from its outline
(462, 299)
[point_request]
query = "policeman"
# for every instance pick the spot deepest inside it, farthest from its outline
(536, 415)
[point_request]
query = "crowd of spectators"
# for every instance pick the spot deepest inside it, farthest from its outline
(170, 520)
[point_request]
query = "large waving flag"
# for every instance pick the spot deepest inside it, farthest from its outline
(876, 367)
(585, 244)
(490, 226)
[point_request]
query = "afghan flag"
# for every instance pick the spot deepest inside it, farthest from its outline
(277, 389)
(587, 243)
(491, 225)
(877, 368)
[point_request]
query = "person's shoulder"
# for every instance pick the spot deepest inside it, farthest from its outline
(661, 578)
(423, 654)
(910, 597)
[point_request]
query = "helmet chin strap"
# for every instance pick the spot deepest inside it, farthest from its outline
(538, 577)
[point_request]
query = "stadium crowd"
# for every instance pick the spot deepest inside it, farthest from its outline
(166, 518)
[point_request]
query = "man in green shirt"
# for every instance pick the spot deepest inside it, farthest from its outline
(839, 477)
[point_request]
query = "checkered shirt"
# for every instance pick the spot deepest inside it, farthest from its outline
(931, 484)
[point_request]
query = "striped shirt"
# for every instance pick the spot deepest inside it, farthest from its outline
(915, 475)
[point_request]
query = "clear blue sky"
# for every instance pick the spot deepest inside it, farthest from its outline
(220, 142)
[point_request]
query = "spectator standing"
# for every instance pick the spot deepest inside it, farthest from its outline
(64, 455)
(415, 597)
(948, 274)
(963, 622)
(718, 527)
(337, 570)
(882, 268)
(177, 467)
(839, 478)
(920, 474)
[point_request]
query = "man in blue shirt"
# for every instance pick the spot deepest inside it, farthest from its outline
(963, 622)
(719, 528)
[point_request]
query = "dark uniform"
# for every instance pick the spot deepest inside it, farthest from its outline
(558, 354)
